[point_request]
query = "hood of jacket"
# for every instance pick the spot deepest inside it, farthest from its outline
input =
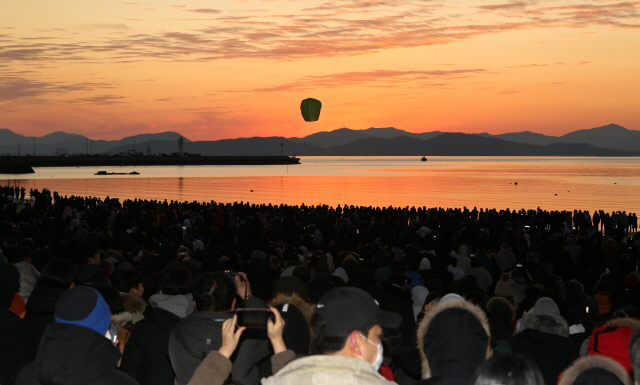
(201, 333)
(453, 340)
(180, 305)
(74, 355)
(133, 305)
(546, 323)
(43, 300)
(305, 307)
(570, 375)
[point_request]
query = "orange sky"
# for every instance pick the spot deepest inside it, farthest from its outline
(230, 68)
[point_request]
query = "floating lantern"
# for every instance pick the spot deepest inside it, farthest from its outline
(310, 109)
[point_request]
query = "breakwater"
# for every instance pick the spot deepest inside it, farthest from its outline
(25, 164)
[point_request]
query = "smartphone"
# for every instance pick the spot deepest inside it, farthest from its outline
(254, 318)
(113, 333)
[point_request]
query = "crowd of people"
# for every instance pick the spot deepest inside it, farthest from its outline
(102, 291)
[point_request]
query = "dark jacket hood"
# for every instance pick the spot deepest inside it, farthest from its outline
(43, 300)
(74, 355)
(453, 340)
(609, 372)
(201, 333)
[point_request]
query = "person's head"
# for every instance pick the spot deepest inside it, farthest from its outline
(347, 321)
(41, 257)
(507, 369)
(175, 280)
(214, 293)
(87, 253)
(129, 281)
(59, 273)
(83, 306)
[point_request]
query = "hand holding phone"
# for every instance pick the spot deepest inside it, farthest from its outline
(275, 328)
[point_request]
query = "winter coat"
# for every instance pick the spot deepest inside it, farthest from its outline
(215, 368)
(590, 370)
(545, 340)
(92, 276)
(482, 276)
(12, 352)
(74, 355)
(196, 335)
(40, 313)
(145, 356)
(325, 369)
(28, 277)
(134, 308)
(453, 340)
(612, 340)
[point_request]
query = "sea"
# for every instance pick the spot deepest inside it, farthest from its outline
(551, 183)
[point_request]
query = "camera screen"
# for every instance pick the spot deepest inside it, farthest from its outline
(254, 318)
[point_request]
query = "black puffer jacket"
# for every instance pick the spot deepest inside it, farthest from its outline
(146, 356)
(74, 355)
(40, 313)
(198, 334)
(92, 276)
(11, 348)
(545, 340)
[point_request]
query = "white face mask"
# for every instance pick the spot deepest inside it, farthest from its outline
(378, 362)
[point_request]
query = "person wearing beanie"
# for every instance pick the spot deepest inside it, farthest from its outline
(77, 348)
(544, 338)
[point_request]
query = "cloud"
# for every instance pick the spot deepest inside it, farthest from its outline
(331, 29)
(13, 87)
(99, 100)
(203, 10)
(371, 78)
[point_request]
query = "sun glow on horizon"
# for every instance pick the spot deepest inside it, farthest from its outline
(240, 68)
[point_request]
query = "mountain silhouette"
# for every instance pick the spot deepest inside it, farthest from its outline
(609, 140)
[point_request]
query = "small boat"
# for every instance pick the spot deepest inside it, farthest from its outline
(117, 173)
(424, 159)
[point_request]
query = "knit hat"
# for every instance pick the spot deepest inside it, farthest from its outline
(259, 254)
(451, 297)
(418, 295)
(340, 272)
(83, 306)
(198, 245)
(425, 264)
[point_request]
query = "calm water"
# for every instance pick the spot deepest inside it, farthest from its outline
(580, 183)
